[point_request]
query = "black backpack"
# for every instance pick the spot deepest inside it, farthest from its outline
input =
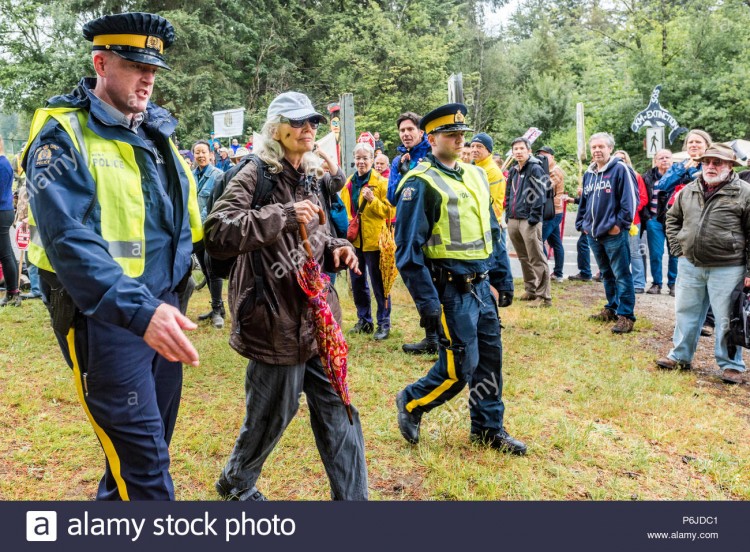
(549, 201)
(265, 183)
(738, 334)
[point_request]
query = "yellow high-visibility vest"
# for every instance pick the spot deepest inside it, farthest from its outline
(464, 230)
(119, 194)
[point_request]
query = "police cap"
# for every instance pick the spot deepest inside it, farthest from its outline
(447, 118)
(139, 37)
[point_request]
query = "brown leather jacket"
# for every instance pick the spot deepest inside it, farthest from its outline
(278, 330)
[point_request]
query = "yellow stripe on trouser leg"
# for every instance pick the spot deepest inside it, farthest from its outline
(107, 445)
(448, 383)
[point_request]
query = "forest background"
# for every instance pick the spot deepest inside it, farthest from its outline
(397, 55)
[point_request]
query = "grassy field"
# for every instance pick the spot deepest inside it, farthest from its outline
(601, 423)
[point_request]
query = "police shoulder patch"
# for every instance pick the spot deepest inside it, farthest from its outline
(407, 194)
(43, 155)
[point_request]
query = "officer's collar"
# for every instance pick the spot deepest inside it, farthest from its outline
(457, 172)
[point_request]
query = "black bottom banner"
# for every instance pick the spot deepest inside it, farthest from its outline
(381, 526)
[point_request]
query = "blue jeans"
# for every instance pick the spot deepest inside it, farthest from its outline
(656, 237)
(36, 291)
(696, 289)
(612, 254)
(369, 263)
(551, 234)
(474, 357)
(584, 256)
(636, 261)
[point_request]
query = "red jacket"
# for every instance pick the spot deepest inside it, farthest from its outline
(642, 198)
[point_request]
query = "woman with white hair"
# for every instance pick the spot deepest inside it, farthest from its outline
(272, 324)
(364, 197)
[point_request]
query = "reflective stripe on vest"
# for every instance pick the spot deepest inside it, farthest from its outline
(464, 229)
(123, 211)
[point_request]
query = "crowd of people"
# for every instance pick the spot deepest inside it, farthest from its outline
(116, 214)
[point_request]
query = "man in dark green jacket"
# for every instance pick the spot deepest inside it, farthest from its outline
(708, 228)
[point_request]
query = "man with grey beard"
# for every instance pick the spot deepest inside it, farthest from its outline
(708, 228)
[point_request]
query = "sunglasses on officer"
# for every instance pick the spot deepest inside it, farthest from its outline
(299, 123)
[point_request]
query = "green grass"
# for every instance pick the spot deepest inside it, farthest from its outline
(601, 423)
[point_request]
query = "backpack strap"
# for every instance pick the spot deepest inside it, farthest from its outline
(265, 183)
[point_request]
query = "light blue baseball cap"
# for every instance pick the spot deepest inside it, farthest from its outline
(293, 105)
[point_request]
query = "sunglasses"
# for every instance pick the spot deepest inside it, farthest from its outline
(715, 162)
(299, 123)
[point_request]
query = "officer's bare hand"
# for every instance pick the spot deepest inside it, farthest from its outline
(614, 230)
(306, 211)
(346, 256)
(164, 335)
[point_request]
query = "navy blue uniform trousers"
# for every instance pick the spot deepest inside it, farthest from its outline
(131, 395)
(474, 357)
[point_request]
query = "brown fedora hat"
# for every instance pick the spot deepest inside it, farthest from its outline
(720, 151)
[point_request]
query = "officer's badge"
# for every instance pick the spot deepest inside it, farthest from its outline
(43, 156)
(407, 194)
(459, 118)
(155, 43)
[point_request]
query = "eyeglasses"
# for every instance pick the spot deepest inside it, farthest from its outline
(299, 123)
(716, 162)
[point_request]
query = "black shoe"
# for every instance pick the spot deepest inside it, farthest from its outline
(11, 299)
(655, 289)
(671, 290)
(424, 347)
(580, 277)
(381, 334)
(362, 326)
(234, 494)
(206, 315)
(408, 422)
(500, 441)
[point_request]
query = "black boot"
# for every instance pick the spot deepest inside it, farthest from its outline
(428, 346)
(12, 299)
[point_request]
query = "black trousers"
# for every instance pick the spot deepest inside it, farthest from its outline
(7, 258)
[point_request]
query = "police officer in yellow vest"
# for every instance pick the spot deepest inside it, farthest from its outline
(449, 251)
(114, 215)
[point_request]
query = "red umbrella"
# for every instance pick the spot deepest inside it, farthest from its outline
(331, 343)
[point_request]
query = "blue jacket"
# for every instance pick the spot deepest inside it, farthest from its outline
(676, 174)
(609, 198)
(418, 211)
(6, 184)
(416, 154)
(69, 218)
(204, 181)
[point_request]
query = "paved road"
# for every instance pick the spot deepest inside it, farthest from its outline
(571, 254)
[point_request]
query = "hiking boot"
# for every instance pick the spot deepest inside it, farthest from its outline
(730, 375)
(667, 363)
(655, 289)
(707, 331)
(381, 334)
(623, 325)
(217, 320)
(214, 308)
(11, 299)
(408, 422)
(580, 278)
(500, 441)
(362, 326)
(539, 302)
(671, 290)
(527, 296)
(604, 315)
